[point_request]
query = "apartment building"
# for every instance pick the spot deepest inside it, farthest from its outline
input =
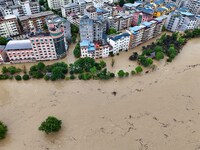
(136, 35)
(119, 42)
(148, 30)
(56, 4)
(69, 8)
(61, 23)
(87, 49)
(139, 17)
(43, 46)
(20, 51)
(86, 29)
(159, 25)
(9, 26)
(21, 8)
(94, 50)
(181, 21)
(194, 6)
(36, 21)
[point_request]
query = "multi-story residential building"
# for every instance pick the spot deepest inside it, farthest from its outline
(181, 21)
(43, 46)
(98, 29)
(86, 29)
(58, 35)
(59, 22)
(194, 6)
(56, 4)
(139, 17)
(148, 30)
(91, 12)
(136, 35)
(198, 22)
(94, 50)
(87, 49)
(9, 26)
(36, 21)
(125, 21)
(159, 25)
(113, 22)
(74, 19)
(21, 8)
(69, 8)
(20, 51)
(119, 42)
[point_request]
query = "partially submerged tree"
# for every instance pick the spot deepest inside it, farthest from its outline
(51, 124)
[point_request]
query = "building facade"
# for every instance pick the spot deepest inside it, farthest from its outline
(9, 26)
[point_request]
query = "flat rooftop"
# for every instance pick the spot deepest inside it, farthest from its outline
(37, 15)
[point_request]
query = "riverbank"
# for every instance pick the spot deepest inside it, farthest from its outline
(156, 111)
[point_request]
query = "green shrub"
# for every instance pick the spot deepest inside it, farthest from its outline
(3, 130)
(26, 77)
(133, 72)
(72, 77)
(138, 69)
(121, 73)
(51, 124)
(46, 77)
(18, 77)
(126, 74)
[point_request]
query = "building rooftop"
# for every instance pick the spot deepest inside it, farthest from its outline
(71, 5)
(84, 43)
(9, 17)
(187, 14)
(18, 45)
(119, 36)
(159, 19)
(147, 24)
(136, 28)
(37, 15)
(2, 47)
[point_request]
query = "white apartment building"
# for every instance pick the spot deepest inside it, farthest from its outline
(119, 42)
(194, 6)
(21, 9)
(9, 26)
(56, 4)
(69, 8)
(94, 50)
(181, 21)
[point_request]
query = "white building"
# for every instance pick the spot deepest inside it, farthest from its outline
(181, 21)
(69, 8)
(119, 42)
(9, 26)
(148, 30)
(194, 6)
(56, 4)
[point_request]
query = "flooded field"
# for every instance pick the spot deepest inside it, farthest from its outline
(155, 111)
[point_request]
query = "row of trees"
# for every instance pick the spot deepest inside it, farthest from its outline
(169, 45)
(50, 125)
(137, 70)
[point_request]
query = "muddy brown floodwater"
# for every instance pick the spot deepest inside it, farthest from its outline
(155, 111)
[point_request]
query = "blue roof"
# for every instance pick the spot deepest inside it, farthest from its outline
(147, 24)
(187, 13)
(119, 36)
(100, 10)
(84, 43)
(159, 19)
(91, 47)
(147, 10)
(129, 5)
(135, 29)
